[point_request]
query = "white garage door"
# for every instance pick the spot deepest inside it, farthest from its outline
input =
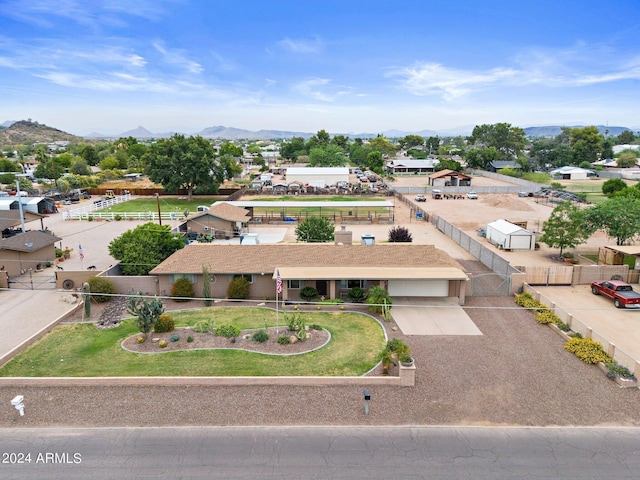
(418, 288)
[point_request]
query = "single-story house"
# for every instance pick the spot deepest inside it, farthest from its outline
(449, 178)
(31, 249)
(405, 270)
(572, 173)
(497, 165)
(222, 220)
(317, 176)
(410, 165)
(509, 236)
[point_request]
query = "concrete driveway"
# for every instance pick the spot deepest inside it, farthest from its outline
(432, 316)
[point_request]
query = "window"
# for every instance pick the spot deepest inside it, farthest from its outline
(344, 284)
(248, 276)
(188, 276)
(295, 284)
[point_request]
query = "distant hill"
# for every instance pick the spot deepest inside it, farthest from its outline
(25, 132)
(231, 133)
(553, 131)
(139, 132)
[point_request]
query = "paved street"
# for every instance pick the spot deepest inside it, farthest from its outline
(321, 453)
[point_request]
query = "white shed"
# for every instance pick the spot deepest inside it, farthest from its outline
(572, 173)
(509, 236)
(318, 176)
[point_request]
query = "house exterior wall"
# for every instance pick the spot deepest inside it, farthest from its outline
(329, 179)
(217, 224)
(15, 261)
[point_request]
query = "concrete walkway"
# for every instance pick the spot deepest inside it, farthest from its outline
(26, 314)
(432, 316)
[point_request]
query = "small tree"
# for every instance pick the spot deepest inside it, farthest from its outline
(357, 295)
(566, 227)
(400, 234)
(206, 286)
(308, 293)
(613, 185)
(147, 312)
(315, 229)
(99, 285)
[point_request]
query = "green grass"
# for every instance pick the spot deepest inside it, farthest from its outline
(627, 260)
(81, 350)
(305, 211)
(166, 204)
(334, 198)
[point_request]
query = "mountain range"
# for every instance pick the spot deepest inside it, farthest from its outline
(27, 131)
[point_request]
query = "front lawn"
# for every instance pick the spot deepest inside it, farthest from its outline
(167, 204)
(81, 350)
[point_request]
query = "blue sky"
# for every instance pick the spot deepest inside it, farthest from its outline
(302, 65)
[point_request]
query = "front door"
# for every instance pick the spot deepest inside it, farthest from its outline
(321, 286)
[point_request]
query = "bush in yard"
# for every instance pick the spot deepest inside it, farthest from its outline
(260, 336)
(203, 326)
(400, 235)
(164, 323)
(308, 293)
(547, 317)
(587, 350)
(182, 290)
(377, 298)
(357, 295)
(315, 230)
(238, 288)
(227, 331)
(100, 285)
(284, 340)
(614, 369)
(189, 339)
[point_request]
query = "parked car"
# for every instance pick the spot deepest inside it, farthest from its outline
(620, 292)
(472, 195)
(420, 198)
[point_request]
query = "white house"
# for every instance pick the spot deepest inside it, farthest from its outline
(572, 173)
(509, 236)
(318, 176)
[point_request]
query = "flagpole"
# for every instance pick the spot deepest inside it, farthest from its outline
(277, 288)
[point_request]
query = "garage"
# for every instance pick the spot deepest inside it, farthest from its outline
(418, 288)
(509, 236)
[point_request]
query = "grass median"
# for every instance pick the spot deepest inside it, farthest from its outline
(81, 350)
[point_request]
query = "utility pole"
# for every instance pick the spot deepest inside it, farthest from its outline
(159, 213)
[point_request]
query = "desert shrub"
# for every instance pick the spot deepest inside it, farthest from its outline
(294, 321)
(357, 295)
(164, 323)
(308, 293)
(315, 326)
(301, 334)
(203, 326)
(378, 299)
(117, 217)
(587, 350)
(614, 369)
(521, 298)
(284, 340)
(227, 331)
(100, 285)
(400, 235)
(260, 336)
(189, 339)
(238, 288)
(162, 343)
(182, 290)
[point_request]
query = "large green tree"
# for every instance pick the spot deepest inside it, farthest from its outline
(508, 141)
(180, 162)
(328, 156)
(618, 217)
(586, 144)
(143, 248)
(565, 228)
(627, 159)
(315, 229)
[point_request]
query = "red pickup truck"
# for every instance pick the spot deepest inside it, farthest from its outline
(621, 293)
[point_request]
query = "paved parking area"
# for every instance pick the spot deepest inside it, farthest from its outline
(432, 316)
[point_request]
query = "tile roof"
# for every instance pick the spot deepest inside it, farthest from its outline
(36, 239)
(265, 258)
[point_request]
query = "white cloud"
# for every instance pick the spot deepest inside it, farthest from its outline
(321, 89)
(301, 46)
(177, 57)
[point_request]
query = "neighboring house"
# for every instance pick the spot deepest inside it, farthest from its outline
(572, 173)
(403, 269)
(509, 236)
(31, 249)
(317, 176)
(408, 165)
(222, 220)
(449, 178)
(497, 165)
(620, 148)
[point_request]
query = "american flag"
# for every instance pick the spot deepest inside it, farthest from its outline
(278, 281)
(80, 254)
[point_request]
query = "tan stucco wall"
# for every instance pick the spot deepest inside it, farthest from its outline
(15, 261)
